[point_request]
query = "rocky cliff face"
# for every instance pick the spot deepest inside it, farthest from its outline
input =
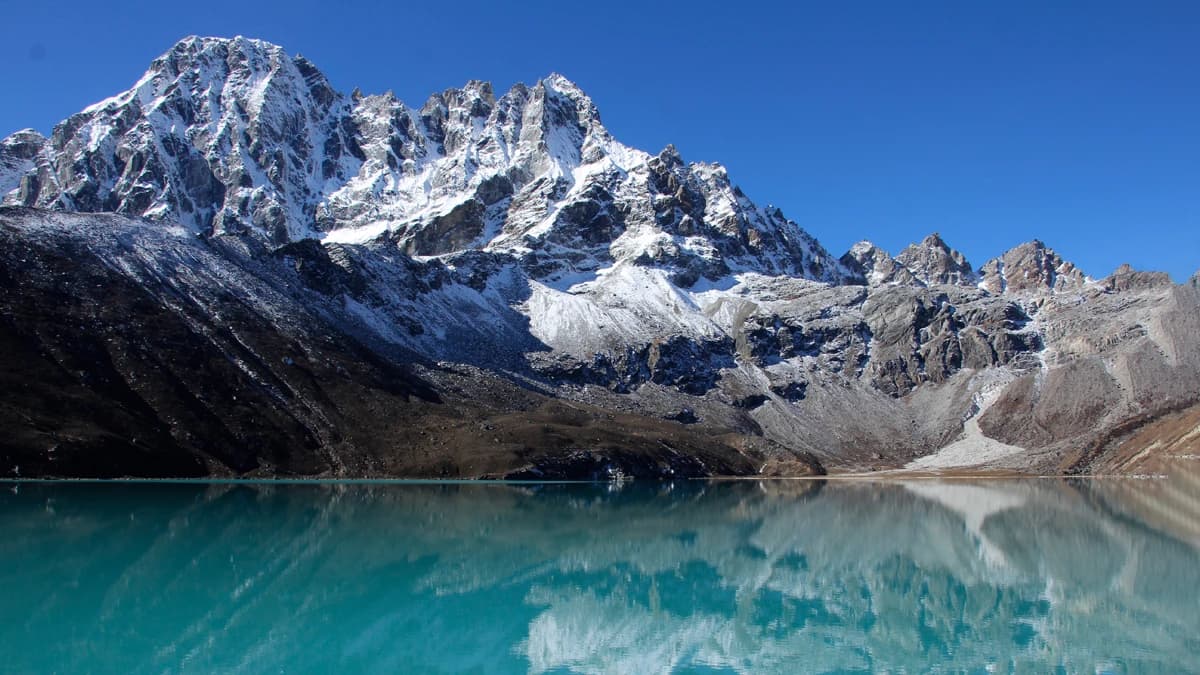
(17, 157)
(487, 258)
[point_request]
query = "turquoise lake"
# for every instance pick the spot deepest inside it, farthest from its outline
(692, 577)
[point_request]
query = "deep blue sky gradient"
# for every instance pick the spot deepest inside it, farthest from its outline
(991, 123)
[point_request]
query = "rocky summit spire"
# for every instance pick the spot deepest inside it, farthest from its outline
(876, 266)
(933, 262)
(1030, 268)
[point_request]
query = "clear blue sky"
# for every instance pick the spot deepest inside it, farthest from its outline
(990, 122)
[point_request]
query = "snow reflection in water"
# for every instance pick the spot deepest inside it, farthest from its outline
(743, 576)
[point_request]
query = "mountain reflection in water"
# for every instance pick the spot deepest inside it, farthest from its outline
(787, 576)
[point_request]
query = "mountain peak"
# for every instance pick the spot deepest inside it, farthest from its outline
(670, 156)
(449, 116)
(928, 263)
(219, 134)
(560, 85)
(473, 90)
(195, 49)
(863, 246)
(1030, 268)
(933, 262)
(560, 82)
(934, 240)
(239, 41)
(876, 266)
(570, 99)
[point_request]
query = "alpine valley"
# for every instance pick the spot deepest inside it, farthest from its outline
(232, 269)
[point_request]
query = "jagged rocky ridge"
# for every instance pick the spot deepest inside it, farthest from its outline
(484, 257)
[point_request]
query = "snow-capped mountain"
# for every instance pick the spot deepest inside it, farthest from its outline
(344, 284)
(228, 136)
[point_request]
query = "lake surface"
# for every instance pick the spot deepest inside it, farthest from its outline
(696, 577)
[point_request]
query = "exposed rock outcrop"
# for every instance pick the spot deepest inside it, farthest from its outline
(1125, 278)
(934, 263)
(876, 266)
(18, 159)
(1030, 268)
